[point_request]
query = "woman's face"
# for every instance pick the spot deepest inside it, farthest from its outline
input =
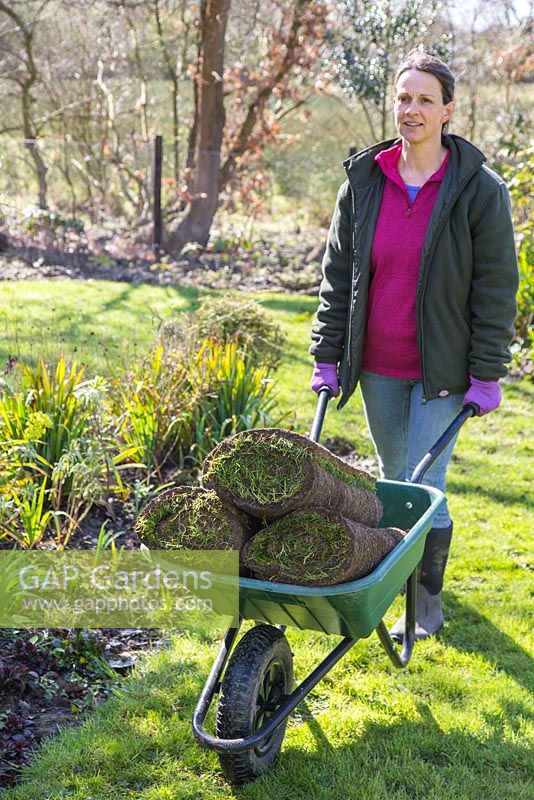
(419, 108)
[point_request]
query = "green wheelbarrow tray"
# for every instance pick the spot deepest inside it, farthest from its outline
(257, 676)
(356, 608)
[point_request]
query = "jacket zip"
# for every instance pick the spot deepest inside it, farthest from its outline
(352, 273)
(353, 269)
(425, 272)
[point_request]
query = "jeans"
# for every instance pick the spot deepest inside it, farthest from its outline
(404, 428)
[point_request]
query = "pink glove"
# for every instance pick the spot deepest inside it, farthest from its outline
(325, 375)
(484, 394)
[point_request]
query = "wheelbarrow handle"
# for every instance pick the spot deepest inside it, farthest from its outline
(324, 396)
(469, 410)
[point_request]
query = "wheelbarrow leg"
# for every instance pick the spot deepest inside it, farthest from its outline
(402, 658)
(212, 684)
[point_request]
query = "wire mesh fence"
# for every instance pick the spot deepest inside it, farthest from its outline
(135, 182)
(77, 178)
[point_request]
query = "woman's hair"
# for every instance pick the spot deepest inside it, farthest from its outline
(418, 59)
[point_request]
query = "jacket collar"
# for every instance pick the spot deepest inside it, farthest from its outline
(362, 169)
(389, 159)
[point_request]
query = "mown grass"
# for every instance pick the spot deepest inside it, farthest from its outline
(106, 325)
(457, 724)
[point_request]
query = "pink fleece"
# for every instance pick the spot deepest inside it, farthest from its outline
(391, 335)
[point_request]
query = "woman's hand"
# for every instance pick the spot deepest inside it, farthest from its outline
(325, 375)
(484, 394)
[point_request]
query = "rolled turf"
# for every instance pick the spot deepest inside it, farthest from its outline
(317, 547)
(268, 472)
(192, 518)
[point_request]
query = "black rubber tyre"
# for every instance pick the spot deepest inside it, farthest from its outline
(259, 671)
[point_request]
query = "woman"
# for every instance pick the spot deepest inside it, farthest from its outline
(417, 302)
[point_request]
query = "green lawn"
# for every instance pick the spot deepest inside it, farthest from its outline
(107, 325)
(457, 724)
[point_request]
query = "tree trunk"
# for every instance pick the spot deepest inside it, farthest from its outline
(26, 84)
(40, 170)
(195, 227)
(30, 142)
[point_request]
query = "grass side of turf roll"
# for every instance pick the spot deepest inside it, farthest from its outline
(317, 547)
(192, 518)
(269, 472)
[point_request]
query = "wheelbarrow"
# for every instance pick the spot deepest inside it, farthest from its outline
(255, 680)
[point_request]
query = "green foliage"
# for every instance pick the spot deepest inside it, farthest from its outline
(525, 314)
(39, 423)
(232, 243)
(52, 224)
(208, 378)
(153, 408)
(364, 57)
(519, 175)
(233, 395)
(55, 453)
(24, 517)
(106, 539)
(514, 135)
(142, 493)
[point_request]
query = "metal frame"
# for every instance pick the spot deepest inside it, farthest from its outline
(291, 701)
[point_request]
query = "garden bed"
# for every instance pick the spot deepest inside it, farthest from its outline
(292, 264)
(51, 679)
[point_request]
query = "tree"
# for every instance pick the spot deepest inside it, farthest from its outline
(18, 65)
(208, 125)
(175, 26)
(372, 39)
(230, 71)
(219, 149)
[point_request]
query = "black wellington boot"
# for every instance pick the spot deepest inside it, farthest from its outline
(428, 614)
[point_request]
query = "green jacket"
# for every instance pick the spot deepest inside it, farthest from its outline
(468, 277)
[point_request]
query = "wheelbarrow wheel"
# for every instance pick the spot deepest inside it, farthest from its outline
(259, 673)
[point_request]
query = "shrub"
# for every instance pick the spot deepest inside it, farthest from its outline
(525, 314)
(38, 424)
(519, 176)
(232, 395)
(175, 408)
(208, 377)
(56, 455)
(153, 409)
(258, 338)
(49, 223)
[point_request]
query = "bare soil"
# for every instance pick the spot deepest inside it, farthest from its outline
(293, 264)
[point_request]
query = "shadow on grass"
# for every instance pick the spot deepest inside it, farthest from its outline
(190, 294)
(295, 304)
(518, 389)
(493, 493)
(470, 632)
(412, 758)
